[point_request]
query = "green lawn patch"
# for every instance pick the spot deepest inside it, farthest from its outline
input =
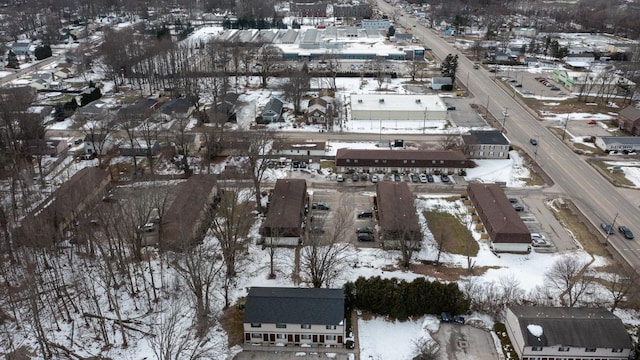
(451, 233)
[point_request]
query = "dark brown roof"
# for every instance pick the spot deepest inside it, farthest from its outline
(192, 200)
(500, 219)
(286, 209)
(42, 226)
(402, 158)
(396, 210)
(317, 101)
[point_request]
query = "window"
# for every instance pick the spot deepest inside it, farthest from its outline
(590, 350)
(281, 326)
(375, 161)
(490, 153)
(331, 327)
(536, 348)
(616, 350)
(563, 348)
(384, 161)
(404, 161)
(256, 325)
(413, 161)
(305, 326)
(441, 161)
(256, 336)
(348, 161)
(433, 161)
(331, 338)
(280, 336)
(305, 337)
(355, 161)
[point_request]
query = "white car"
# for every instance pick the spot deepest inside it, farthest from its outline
(537, 236)
(374, 179)
(423, 178)
(340, 178)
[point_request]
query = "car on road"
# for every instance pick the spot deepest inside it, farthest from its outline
(320, 206)
(518, 207)
(608, 229)
(533, 141)
(626, 232)
(513, 200)
(592, 122)
(340, 178)
(451, 107)
(526, 92)
(365, 214)
(444, 178)
(476, 66)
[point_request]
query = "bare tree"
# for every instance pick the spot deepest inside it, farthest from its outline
(297, 86)
(100, 133)
(268, 56)
(198, 267)
(416, 66)
(260, 148)
(620, 284)
(425, 350)
(569, 275)
(449, 141)
(326, 254)
(231, 224)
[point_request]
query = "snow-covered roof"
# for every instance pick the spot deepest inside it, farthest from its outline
(397, 102)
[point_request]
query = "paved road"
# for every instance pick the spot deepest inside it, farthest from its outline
(598, 199)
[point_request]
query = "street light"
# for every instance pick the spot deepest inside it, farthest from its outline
(424, 122)
(613, 224)
(505, 114)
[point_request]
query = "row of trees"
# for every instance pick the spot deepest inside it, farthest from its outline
(401, 299)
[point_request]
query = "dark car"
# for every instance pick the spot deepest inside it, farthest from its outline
(533, 141)
(429, 178)
(415, 178)
(626, 232)
(446, 317)
(355, 177)
(365, 214)
(396, 177)
(608, 229)
(362, 236)
(364, 230)
(458, 319)
(451, 107)
(513, 200)
(320, 206)
(445, 178)
(518, 207)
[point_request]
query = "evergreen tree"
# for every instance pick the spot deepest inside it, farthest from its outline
(42, 52)
(12, 60)
(391, 31)
(450, 67)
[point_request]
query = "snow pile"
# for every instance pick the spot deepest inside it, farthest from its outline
(535, 330)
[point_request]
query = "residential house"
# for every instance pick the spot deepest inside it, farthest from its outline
(45, 147)
(286, 213)
(139, 147)
(542, 332)
(23, 48)
(98, 144)
(41, 112)
(629, 120)
(176, 108)
(185, 221)
(140, 110)
(317, 111)
(486, 144)
(96, 110)
(225, 109)
(299, 150)
(397, 216)
(402, 161)
(45, 226)
(272, 111)
(441, 83)
(294, 317)
(507, 232)
(618, 143)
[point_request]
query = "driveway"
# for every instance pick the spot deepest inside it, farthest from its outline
(464, 342)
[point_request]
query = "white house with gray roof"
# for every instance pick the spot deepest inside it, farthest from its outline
(297, 317)
(486, 144)
(618, 143)
(541, 332)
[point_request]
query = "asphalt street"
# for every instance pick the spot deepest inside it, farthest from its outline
(594, 195)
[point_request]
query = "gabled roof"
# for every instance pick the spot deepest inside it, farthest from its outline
(485, 137)
(627, 140)
(576, 327)
(140, 108)
(274, 105)
(405, 158)
(176, 106)
(503, 220)
(271, 305)
(396, 210)
(630, 113)
(287, 204)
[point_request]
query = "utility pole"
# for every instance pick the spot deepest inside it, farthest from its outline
(564, 129)
(613, 224)
(505, 114)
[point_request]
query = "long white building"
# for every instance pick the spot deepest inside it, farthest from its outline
(397, 111)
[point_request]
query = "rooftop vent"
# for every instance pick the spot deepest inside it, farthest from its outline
(418, 101)
(359, 101)
(381, 101)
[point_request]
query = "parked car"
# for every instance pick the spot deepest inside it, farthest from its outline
(397, 177)
(430, 178)
(423, 178)
(591, 122)
(374, 178)
(148, 227)
(355, 177)
(451, 107)
(320, 206)
(608, 229)
(340, 178)
(446, 317)
(414, 178)
(444, 178)
(533, 141)
(518, 207)
(365, 214)
(362, 236)
(458, 319)
(364, 229)
(513, 200)
(476, 66)
(626, 232)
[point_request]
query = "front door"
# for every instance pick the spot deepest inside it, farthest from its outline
(272, 337)
(265, 337)
(315, 338)
(290, 338)
(297, 339)
(321, 338)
